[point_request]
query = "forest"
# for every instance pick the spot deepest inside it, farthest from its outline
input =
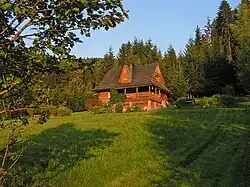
(215, 61)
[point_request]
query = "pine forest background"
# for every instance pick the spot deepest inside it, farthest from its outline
(215, 61)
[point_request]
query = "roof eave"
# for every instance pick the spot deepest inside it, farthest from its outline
(130, 86)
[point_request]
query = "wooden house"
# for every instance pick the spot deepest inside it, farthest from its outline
(142, 85)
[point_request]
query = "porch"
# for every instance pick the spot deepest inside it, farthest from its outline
(147, 96)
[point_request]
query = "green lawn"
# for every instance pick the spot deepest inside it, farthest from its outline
(184, 147)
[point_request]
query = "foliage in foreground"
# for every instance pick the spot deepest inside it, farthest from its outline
(51, 27)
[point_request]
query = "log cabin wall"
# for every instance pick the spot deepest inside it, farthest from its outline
(104, 97)
(150, 97)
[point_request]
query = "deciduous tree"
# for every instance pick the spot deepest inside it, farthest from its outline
(34, 35)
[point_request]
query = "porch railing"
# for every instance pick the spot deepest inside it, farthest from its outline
(143, 96)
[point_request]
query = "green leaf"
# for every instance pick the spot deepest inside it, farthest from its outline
(5, 6)
(76, 9)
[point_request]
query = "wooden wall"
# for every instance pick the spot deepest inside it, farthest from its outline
(104, 97)
(143, 99)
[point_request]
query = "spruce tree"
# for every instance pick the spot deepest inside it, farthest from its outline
(125, 54)
(174, 70)
(222, 24)
(198, 35)
(241, 30)
(109, 60)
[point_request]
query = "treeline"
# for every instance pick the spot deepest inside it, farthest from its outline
(215, 61)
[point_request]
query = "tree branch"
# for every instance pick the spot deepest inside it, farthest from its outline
(5, 155)
(13, 20)
(5, 174)
(7, 90)
(16, 36)
(14, 110)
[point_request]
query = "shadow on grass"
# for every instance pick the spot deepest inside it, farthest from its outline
(202, 147)
(54, 151)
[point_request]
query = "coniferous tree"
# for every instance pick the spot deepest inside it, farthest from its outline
(139, 52)
(125, 54)
(109, 61)
(155, 54)
(208, 31)
(241, 30)
(198, 36)
(173, 69)
(223, 32)
(195, 57)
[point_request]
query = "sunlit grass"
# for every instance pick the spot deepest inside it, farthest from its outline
(183, 147)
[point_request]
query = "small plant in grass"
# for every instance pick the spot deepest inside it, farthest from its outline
(64, 111)
(135, 108)
(118, 108)
(52, 109)
(101, 109)
(179, 103)
(210, 102)
(216, 101)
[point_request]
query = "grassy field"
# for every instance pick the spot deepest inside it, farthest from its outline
(184, 147)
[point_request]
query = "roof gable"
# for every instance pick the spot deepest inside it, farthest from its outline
(126, 75)
(158, 77)
(149, 74)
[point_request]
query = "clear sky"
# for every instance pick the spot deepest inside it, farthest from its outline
(163, 21)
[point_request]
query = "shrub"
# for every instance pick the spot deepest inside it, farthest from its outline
(171, 105)
(116, 97)
(213, 101)
(90, 103)
(134, 108)
(180, 103)
(247, 109)
(217, 100)
(228, 90)
(76, 105)
(63, 111)
(43, 116)
(228, 100)
(101, 109)
(119, 108)
(51, 109)
(31, 112)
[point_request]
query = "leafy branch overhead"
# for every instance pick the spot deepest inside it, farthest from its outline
(52, 24)
(34, 36)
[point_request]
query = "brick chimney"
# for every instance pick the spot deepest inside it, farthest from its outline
(126, 74)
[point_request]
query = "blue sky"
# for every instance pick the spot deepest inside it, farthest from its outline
(163, 21)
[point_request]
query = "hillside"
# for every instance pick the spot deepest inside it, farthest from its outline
(185, 147)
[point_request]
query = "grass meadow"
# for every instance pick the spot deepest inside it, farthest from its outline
(169, 147)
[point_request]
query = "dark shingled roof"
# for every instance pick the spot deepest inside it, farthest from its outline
(141, 76)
